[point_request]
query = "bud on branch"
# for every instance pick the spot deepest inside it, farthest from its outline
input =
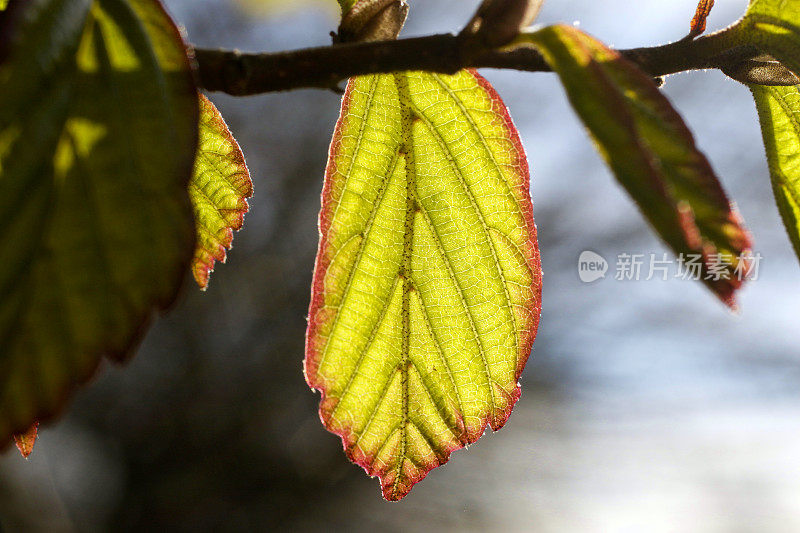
(498, 22)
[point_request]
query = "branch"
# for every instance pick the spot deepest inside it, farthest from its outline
(242, 74)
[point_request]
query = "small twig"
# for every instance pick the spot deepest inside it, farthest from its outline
(243, 74)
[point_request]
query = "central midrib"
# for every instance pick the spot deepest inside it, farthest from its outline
(407, 118)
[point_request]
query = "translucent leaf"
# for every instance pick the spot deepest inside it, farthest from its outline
(779, 111)
(426, 293)
(774, 27)
(98, 133)
(652, 153)
(219, 190)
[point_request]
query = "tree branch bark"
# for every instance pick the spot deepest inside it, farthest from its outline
(242, 74)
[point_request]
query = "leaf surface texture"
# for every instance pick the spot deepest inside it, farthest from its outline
(426, 293)
(779, 112)
(219, 190)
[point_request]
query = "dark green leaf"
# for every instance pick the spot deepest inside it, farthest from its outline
(98, 132)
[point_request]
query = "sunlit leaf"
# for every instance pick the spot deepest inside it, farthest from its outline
(98, 133)
(774, 27)
(426, 293)
(26, 441)
(652, 153)
(219, 190)
(779, 111)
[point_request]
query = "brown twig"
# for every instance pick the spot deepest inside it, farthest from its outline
(241, 74)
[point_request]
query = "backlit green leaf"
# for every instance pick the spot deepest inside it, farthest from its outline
(426, 293)
(774, 27)
(779, 111)
(98, 133)
(219, 190)
(652, 153)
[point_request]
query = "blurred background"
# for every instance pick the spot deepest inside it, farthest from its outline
(646, 406)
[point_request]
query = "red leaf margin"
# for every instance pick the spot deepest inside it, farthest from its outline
(317, 312)
(204, 258)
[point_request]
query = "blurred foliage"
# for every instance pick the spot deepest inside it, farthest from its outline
(98, 131)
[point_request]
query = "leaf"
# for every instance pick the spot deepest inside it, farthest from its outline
(698, 24)
(98, 133)
(219, 190)
(426, 292)
(779, 112)
(772, 26)
(26, 441)
(652, 153)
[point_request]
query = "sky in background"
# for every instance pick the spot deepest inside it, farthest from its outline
(646, 406)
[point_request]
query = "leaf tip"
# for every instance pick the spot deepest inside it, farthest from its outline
(25, 441)
(219, 189)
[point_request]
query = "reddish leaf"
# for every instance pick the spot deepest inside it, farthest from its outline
(25, 441)
(653, 154)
